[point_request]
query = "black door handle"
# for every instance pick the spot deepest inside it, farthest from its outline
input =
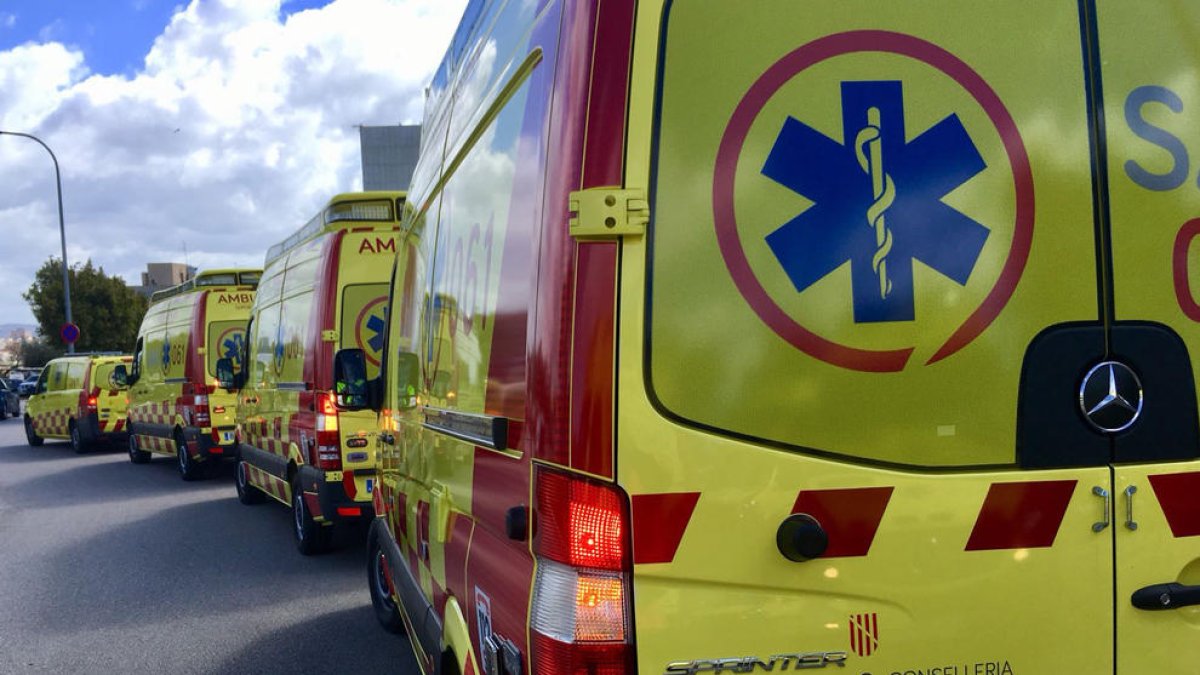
(1166, 596)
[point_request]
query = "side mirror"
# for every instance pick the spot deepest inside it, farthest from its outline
(225, 376)
(119, 378)
(350, 385)
(408, 372)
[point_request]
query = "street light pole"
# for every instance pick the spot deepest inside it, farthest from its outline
(62, 229)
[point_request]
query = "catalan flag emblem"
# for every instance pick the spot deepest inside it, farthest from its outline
(864, 633)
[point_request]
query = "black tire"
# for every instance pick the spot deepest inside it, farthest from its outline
(189, 469)
(311, 537)
(136, 454)
(30, 435)
(378, 580)
(4, 414)
(79, 445)
(246, 493)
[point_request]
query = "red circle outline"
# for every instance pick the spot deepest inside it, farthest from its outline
(358, 328)
(221, 340)
(725, 218)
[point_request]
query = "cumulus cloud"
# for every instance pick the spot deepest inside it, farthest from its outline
(236, 128)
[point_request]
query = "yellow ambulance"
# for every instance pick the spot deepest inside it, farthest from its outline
(739, 337)
(80, 398)
(175, 407)
(323, 288)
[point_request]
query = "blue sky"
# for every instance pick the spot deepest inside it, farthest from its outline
(218, 126)
(114, 35)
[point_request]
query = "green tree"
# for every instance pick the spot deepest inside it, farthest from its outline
(36, 352)
(107, 311)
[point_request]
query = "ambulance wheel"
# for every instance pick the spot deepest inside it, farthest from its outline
(247, 493)
(30, 435)
(136, 454)
(189, 470)
(311, 537)
(381, 595)
(77, 443)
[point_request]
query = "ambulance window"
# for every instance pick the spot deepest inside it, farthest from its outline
(44, 379)
(364, 322)
(249, 278)
(138, 352)
(102, 375)
(262, 368)
(225, 340)
(75, 375)
(218, 280)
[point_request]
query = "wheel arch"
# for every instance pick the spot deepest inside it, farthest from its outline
(456, 641)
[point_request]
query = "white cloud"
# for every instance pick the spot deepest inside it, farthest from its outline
(232, 134)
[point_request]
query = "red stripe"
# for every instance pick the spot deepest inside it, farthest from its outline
(854, 635)
(1021, 515)
(1179, 496)
(850, 517)
(592, 359)
(659, 521)
(319, 369)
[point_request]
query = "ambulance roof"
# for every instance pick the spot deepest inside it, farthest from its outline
(345, 210)
(209, 278)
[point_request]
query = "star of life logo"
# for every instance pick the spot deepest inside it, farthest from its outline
(878, 201)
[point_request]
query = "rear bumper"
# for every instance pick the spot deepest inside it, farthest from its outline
(336, 506)
(90, 432)
(202, 446)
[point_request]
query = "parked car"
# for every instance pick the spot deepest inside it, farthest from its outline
(27, 388)
(10, 400)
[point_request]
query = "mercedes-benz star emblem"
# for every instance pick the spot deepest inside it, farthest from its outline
(1110, 396)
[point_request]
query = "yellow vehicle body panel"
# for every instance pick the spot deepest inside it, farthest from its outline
(335, 269)
(867, 334)
(175, 360)
(1153, 107)
(66, 382)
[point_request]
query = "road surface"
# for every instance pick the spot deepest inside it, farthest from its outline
(110, 567)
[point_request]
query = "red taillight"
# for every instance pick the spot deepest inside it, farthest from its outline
(329, 450)
(200, 416)
(349, 511)
(87, 403)
(581, 611)
(580, 523)
(552, 657)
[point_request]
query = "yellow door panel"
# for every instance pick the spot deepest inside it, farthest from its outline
(1157, 531)
(873, 207)
(863, 216)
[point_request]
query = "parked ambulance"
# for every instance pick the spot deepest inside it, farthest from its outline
(775, 335)
(175, 407)
(323, 288)
(80, 398)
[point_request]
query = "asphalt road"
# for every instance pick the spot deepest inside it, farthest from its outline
(110, 567)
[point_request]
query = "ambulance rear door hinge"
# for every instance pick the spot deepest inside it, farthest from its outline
(330, 336)
(608, 212)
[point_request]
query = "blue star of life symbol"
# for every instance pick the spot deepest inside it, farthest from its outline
(166, 354)
(376, 325)
(279, 348)
(877, 201)
(233, 350)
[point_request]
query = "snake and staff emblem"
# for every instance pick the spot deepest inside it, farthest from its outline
(869, 149)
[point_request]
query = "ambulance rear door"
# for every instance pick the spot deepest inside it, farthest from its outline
(1150, 53)
(850, 428)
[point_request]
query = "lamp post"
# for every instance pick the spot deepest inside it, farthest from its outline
(62, 229)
